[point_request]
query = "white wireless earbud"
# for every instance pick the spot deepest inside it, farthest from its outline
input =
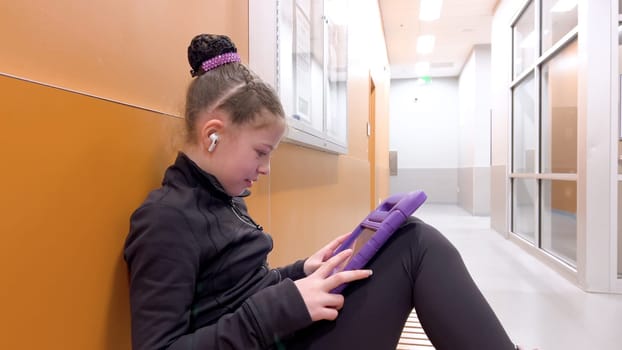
(214, 138)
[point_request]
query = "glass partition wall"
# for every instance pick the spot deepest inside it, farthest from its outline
(543, 174)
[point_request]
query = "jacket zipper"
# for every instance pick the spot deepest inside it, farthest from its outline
(244, 218)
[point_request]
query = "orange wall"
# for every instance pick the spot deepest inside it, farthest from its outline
(132, 52)
(75, 166)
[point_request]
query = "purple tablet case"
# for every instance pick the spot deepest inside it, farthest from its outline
(384, 220)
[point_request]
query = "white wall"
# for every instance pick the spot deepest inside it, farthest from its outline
(467, 97)
(474, 144)
(597, 145)
(475, 104)
(483, 105)
(424, 123)
(423, 129)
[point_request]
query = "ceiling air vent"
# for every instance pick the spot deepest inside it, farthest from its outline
(438, 65)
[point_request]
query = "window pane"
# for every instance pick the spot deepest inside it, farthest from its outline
(524, 194)
(558, 219)
(558, 18)
(559, 112)
(524, 138)
(337, 71)
(525, 41)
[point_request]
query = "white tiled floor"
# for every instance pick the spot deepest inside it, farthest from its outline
(538, 307)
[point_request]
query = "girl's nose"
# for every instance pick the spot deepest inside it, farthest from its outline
(264, 169)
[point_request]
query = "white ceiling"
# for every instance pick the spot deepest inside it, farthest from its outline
(463, 24)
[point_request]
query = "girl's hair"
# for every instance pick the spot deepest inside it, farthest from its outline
(229, 86)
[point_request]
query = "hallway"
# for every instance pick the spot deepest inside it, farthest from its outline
(538, 307)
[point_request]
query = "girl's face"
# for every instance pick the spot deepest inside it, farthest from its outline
(243, 153)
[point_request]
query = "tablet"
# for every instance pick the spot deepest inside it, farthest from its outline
(373, 231)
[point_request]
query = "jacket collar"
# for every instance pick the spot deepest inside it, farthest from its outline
(186, 169)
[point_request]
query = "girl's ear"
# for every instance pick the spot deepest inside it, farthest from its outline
(207, 131)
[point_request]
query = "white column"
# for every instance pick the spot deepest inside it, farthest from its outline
(594, 146)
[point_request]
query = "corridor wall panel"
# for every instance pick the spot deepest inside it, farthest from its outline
(134, 52)
(74, 168)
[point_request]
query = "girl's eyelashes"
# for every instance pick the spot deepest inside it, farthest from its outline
(261, 153)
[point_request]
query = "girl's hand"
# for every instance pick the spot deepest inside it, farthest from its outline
(314, 261)
(315, 288)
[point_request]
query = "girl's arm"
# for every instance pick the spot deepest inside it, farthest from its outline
(294, 271)
(163, 260)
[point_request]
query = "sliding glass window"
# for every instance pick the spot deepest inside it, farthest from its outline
(559, 112)
(524, 199)
(544, 127)
(524, 124)
(558, 219)
(525, 40)
(559, 17)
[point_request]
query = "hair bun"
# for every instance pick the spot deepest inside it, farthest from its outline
(206, 46)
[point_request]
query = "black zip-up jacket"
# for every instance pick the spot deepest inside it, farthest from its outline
(199, 277)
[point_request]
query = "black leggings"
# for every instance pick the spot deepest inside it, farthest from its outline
(417, 268)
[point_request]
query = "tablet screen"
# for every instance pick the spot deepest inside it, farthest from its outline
(358, 243)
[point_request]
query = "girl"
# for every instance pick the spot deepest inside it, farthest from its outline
(197, 261)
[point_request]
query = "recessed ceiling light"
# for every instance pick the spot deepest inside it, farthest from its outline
(430, 10)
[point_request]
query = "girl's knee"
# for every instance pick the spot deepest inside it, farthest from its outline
(426, 238)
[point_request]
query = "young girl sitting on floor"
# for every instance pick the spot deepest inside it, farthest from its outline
(199, 277)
